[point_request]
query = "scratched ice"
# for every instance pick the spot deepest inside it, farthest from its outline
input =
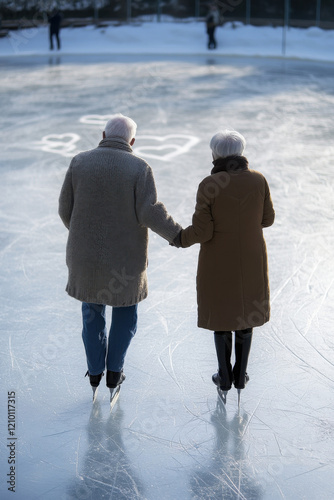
(168, 438)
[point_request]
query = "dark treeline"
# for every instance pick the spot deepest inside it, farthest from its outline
(123, 9)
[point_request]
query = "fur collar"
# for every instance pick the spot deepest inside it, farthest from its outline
(233, 163)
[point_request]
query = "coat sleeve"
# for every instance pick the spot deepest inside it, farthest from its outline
(150, 212)
(202, 226)
(66, 198)
(268, 208)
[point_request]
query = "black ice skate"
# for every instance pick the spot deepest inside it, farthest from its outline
(223, 378)
(221, 389)
(239, 389)
(94, 382)
(114, 381)
(243, 341)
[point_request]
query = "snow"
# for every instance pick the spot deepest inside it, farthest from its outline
(175, 38)
(168, 436)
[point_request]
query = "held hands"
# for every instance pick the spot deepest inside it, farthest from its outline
(177, 241)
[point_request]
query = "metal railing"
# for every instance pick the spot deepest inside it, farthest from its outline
(247, 11)
(256, 12)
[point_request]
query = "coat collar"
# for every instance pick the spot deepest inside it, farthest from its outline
(233, 163)
(115, 142)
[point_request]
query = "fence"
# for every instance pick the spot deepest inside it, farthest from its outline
(296, 13)
(259, 12)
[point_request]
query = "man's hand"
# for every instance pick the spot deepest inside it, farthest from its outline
(177, 241)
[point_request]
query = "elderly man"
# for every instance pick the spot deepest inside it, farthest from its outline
(108, 201)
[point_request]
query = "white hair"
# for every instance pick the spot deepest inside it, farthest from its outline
(227, 143)
(121, 126)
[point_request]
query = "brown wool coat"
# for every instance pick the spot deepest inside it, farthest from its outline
(232, 207)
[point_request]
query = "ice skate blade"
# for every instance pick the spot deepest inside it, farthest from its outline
(239, 394)
(222, 394)
(114, 395)
(95, 391)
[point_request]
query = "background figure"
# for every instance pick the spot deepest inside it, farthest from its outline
(55, 21)
(108, 201)
(233, 205)
(212, 21)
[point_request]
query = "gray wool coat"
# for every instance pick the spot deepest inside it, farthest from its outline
(108, 201)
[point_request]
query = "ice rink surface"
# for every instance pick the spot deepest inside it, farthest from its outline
(168, 438)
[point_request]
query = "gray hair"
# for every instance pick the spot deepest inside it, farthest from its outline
(227, 143)
(121, 126)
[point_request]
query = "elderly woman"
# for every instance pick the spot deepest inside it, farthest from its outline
(233, 205)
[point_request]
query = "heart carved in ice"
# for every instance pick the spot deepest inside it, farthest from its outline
(99, 120)
(62, 144)
(164, 148)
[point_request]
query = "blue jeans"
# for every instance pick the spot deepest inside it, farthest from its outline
(100, 351)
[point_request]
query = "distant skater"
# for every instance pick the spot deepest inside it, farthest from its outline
(233, 206)
(108, 201)
(212, 21)
(55, 21)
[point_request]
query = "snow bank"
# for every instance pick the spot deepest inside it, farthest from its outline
(175, 38)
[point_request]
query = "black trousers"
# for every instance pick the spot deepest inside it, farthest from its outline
(212, 44)
(242, 345)
(56, 34)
